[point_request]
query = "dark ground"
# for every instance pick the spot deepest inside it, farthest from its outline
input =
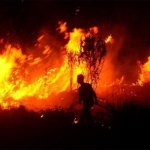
(19, 128)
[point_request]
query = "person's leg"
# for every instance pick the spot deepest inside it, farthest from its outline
(82, 116)
(89, 115)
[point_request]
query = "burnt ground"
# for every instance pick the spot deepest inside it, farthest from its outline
(19, 128)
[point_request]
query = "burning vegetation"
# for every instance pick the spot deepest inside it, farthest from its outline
(36, 79)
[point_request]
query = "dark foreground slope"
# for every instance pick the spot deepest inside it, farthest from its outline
(19, 128)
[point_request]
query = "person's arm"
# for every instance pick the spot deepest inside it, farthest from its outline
(95, 97)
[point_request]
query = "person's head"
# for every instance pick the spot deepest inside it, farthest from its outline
(80, 78)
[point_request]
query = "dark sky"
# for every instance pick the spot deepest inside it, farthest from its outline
(21, 20)
(23, 17)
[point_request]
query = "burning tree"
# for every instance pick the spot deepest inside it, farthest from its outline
(90, 58)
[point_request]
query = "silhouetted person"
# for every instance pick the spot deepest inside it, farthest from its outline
(87, 95)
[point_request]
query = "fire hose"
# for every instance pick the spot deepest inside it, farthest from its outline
(105, 107)
(100, 100)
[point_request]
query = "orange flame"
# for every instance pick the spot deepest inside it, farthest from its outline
(14, 77)
(74, 42)
(25, 76)
(63, 28)
(145, 72)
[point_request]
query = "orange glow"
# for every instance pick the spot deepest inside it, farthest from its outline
(145, 73)
(31, 79)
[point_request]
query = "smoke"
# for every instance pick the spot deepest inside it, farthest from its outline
(112, 68)
(122, 55)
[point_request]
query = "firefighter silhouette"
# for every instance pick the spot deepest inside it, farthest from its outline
(88, 96)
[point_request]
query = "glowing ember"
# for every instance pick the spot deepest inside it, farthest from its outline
(75, 121)
(42, 116)
(109, 39)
